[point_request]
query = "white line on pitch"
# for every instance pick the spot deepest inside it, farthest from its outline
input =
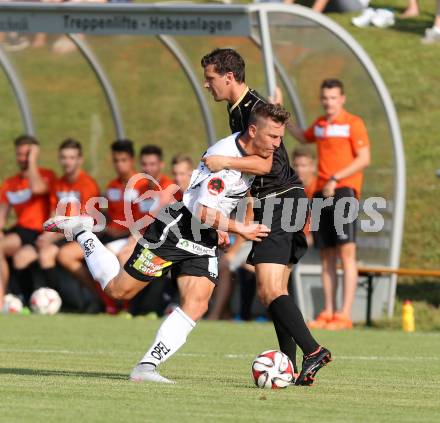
(229, 356)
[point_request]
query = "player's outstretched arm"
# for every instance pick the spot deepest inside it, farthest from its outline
(296, 132)
(215, 219)
(254, 165)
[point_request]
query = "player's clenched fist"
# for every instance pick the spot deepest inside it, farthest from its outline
(34, 151)
(215, 163)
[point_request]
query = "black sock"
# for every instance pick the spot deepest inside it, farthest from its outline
(50, 277)
(286, 312)
(286, 342)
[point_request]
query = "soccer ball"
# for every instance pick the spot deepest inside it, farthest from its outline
(45, 301)
(12, 304)
(272, 369)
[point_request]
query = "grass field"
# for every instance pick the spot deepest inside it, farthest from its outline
(74, 368)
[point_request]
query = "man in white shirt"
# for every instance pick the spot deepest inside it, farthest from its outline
(184, 237)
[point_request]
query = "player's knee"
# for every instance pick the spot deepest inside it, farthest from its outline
(118, 292)
(22, 259)
(348, 254)
(65, 258)
(267, 294)
(47, 257)
(195, 307)
(61, 257)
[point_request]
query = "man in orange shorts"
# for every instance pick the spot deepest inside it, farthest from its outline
(343, 152)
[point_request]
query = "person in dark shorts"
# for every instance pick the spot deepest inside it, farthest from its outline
(70, 192)
(343, 152)
(28, 194)
(115, 236)
(277, 186)
(183, 238)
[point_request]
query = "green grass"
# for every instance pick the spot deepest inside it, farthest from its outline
(74, 368)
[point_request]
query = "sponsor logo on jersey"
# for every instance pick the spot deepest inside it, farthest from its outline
(130, 195)
(333, 130)
(194, 248)
(19, 197)
(248, 103)
(216, 186)
(68, 196)
(89, 247)
(114, 194)
(149, 264)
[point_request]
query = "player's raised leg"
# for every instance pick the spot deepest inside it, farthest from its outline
(102, 263)
(195, 293)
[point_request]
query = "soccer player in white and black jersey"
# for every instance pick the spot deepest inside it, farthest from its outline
(179, 238)
(277, 186)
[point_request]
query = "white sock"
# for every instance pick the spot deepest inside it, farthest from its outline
(170, 337)
(102, 263)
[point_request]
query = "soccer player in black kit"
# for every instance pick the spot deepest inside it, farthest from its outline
(277, 186)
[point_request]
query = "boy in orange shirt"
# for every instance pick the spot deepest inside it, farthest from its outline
(343, 152)
(28, 194)
(68, 194)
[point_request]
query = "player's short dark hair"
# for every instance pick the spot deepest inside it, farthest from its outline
(71, 143)
(276, 112)
(303, 151)
(147, 150)
(332, 83)
(123, 146)
(182, 158)
(25, 139)
(226, 60)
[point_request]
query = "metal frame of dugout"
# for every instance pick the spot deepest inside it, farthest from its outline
(168, 22)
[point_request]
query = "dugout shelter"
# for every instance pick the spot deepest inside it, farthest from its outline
(136, 72)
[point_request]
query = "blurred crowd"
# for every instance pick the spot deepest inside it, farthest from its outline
(31, 259)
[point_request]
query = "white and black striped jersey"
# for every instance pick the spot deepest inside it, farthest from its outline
(219, 190)
(281, 176)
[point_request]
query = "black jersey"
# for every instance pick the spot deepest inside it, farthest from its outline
(281, 176)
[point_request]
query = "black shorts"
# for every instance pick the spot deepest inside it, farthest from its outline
(183, 251)
(286, 242)
(327, 235)
(106, 238)
(27, 236)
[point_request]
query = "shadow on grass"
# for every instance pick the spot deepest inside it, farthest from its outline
(45, 372)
